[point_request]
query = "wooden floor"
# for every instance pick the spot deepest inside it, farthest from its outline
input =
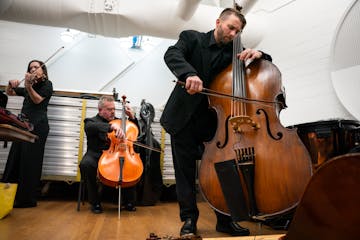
(59, 219)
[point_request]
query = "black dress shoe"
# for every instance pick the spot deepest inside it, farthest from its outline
(96, 208)
(130, 207)
(189, 227)
(24, 204)
(232, 228)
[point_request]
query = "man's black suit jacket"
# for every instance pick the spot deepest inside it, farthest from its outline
(195, 53)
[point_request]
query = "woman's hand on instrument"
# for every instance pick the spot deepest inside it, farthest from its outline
(119, 133)
(30, 79)
(10, 87)
(193, 84)
(249, 54)
(14, 83)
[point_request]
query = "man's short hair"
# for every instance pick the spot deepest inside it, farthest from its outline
(104, 99)
(231, 11)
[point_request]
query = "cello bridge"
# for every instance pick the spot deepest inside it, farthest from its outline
(237, 121)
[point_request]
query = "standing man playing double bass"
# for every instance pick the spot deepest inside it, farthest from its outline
(196, 59)
(96, 129)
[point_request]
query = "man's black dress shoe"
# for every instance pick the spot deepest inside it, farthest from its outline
(96, 208)
(189, 227)
(25, 205)
(232, 228)
(130, 207)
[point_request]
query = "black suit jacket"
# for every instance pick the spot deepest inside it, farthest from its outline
(195, 53)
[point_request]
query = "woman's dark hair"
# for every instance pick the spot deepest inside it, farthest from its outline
(231, 11)
(43, 67)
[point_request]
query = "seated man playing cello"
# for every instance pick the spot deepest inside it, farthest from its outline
(96, 129)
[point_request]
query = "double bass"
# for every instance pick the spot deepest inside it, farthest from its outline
(272, 165)
(120, 165)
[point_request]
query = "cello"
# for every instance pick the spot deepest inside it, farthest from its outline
(120, 165)
(271, 163)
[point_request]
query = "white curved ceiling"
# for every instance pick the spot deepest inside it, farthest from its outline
(115, 18)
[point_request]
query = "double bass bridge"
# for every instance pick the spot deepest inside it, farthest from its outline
(245, 155)
(237, 121)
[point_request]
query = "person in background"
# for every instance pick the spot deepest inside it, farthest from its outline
(25, 159)
(96, 129)
(196, 59)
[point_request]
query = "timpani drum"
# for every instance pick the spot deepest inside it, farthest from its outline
(327, 139)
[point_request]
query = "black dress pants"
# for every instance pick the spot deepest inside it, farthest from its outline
(187, 147)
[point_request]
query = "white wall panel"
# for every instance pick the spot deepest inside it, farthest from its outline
(299, 39)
